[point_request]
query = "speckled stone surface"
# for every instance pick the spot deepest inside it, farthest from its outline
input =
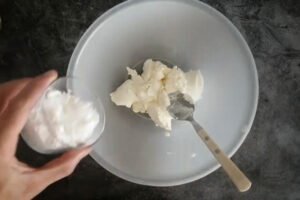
(38, 35)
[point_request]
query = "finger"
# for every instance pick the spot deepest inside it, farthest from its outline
(57, 169)
(10, 89)
(15, 115)
(22, 167)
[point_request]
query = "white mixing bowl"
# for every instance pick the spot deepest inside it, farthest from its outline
(191, 35)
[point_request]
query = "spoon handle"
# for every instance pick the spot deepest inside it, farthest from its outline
(235, 174)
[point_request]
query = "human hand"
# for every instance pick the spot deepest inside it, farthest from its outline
(18, 180)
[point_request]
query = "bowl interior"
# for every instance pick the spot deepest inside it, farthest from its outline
(188, 34)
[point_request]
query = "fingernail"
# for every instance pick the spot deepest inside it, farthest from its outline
(84, 151)
(88, 149)
(49, 73)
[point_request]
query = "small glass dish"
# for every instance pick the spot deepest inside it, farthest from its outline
(39, 133)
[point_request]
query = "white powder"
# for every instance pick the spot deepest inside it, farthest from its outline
(60, 121)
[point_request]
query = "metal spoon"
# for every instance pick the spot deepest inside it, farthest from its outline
(182, 109)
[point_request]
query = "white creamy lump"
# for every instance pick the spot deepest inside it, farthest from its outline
(61, 120)
(148, 92)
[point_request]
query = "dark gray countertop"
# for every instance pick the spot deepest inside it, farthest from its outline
(40, 35)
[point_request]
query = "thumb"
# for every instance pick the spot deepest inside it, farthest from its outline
(57, 169)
